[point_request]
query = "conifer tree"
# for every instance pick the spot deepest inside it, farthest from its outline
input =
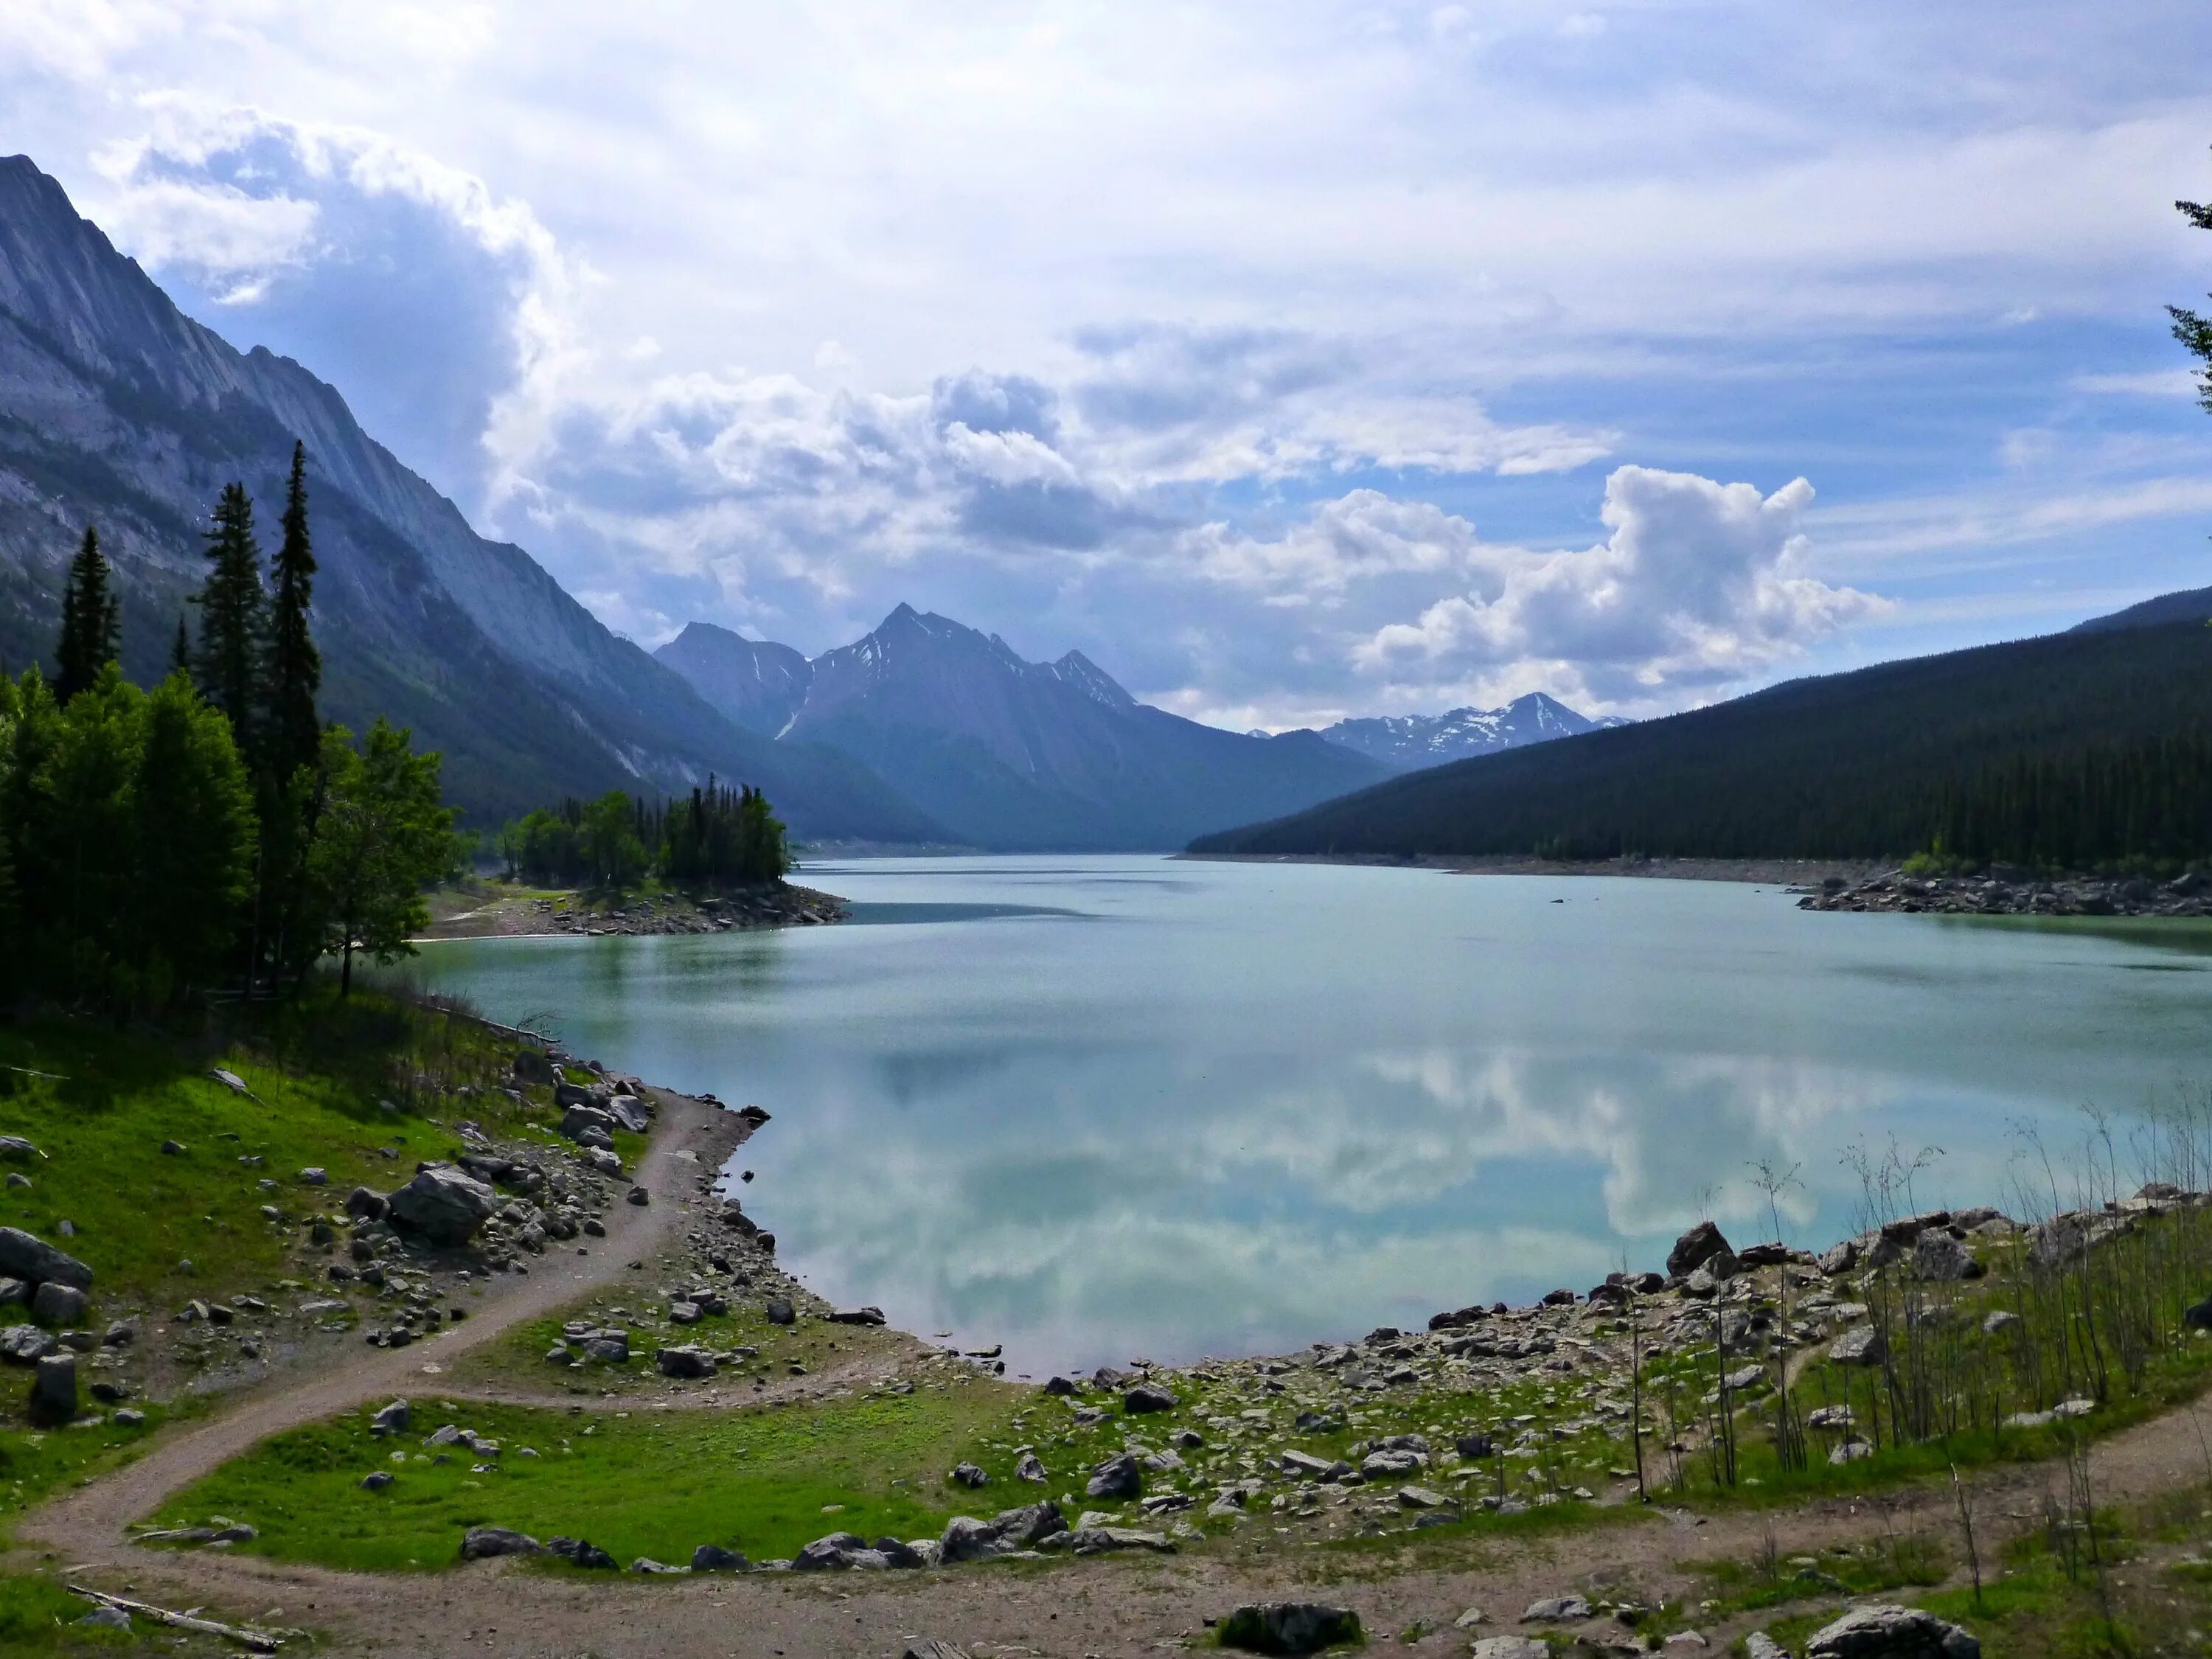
(91, 624)
(232, 615)
(180, 651)
(293, 672)
(2194, 328)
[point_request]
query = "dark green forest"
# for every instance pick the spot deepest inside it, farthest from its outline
(717, 837)
(2080, 750)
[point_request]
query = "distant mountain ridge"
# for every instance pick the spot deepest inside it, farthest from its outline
(1863, 764)
(1405, 742)
(1009, 754)
(117, 409)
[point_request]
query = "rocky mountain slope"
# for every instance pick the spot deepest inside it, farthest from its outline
(1406, 742)
(117, 409)
(1012, 754)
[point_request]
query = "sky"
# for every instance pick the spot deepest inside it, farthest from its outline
(1291, 360)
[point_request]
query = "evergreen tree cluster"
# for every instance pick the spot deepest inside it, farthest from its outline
(717, 837)
(211, 833)
(2147, 803)
(2075, 750)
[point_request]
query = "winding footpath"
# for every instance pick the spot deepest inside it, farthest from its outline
(89, 1524)
(1112, 1606)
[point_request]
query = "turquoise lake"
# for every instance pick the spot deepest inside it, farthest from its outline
(1099, 1108)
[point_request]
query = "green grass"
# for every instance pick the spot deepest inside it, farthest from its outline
(37, 1616)
(35, 1462)
(318, 1073)
(649, 1483)
(518, 1356)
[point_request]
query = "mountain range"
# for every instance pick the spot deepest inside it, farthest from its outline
(1006, 753)
(118, 410)
(1407, 742)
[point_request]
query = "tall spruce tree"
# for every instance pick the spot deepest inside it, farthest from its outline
(180, 650)
(233, 616)
(91, 622)
(293, 672)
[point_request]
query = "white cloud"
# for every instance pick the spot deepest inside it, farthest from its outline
(1698, 584)
(2156, 383)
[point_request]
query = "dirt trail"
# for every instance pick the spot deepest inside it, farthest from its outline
(88, 1525)
(1113, 1606)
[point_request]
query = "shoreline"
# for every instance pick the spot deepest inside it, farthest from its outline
(1809, 874)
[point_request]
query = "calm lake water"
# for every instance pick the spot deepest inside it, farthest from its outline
(1100, 1108)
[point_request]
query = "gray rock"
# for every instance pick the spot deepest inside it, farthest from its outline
(629, 1111)
(56, 1303)
(1510, 1647)
(25, 1257)
(967, 1474)
(25, 1345)
(376, 1480)
(1695, 1247)
(1890, 1632)
(834, 1552)
(713, 1558)
(1119, 1476)
(1147, 1397)
(2197, 1317)
(16, 1148)
(1288, 1627)
(639, 1196)
(652, 1569)
(390, 1420)
(367, 1205)
(967, 1539)
(108, 1618)
(689, 1362)
(315, 1176)
(1759, 1645)
(2004, 1320)
(129, 1416)
(857, 1317)
(779, 1311)
(15, 1292)
(445, 1204)
(1556, 1610)
(578, 1552)
(1100, 1541)
(53, 1391)
(1862, 1344)
(1029, 1468)
(1938, 1257)
(1381, 1465)
(606, 1162)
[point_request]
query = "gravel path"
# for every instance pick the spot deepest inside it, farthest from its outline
(88, 1525)
(1114, 1606)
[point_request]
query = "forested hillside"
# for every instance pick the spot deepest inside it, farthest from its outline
(2082, 747)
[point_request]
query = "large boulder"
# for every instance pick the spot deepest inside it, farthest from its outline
(26, 1257)
(1119, 1476)
(1937, 1255)
(1892, 1632)
(587, 1125)
(53, 1391)
(1289, 1628)
(1147, 1397)
(1862, 1344)
(967, 1539)
(444, 1204)
(57, 1303)
(1703, 1244)
(629, 1111)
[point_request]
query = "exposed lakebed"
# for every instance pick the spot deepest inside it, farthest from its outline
(1098, 1109)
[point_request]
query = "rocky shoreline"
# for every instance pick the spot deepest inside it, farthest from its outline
(782, 905)
(2007, 891)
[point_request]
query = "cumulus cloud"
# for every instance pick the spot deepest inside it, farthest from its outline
(441, 310)
(1698, 584)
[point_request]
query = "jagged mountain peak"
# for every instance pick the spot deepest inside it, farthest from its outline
(1406, 742)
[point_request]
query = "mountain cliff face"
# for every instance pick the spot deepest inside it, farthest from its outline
(1406, 742)
(116, 409)
(756, 682)
(1019, 755)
